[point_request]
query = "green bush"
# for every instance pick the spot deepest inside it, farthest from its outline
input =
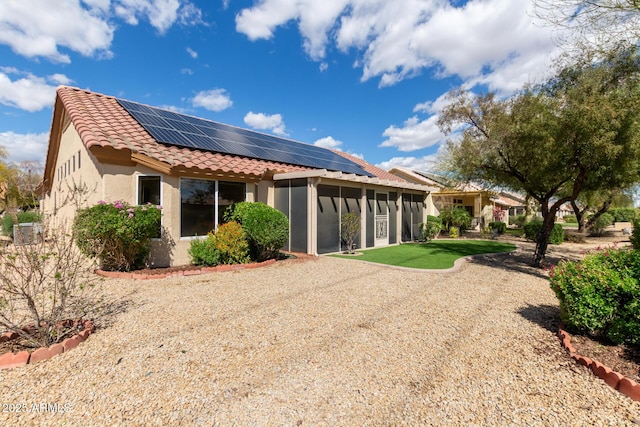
(572, 219)
(8, 220)
(623, 214)
(436, 219)
(455, 217)
(267, 228)
(204, 252)
(519, 220)
(231, 244)
(600, 295)
(603, 221)
(532, 228)
(498, 226)
(118, 234)
(454, 232)
(430, 230)
(635, 234)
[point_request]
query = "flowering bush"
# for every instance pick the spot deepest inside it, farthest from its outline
(498, 214)
(601, 294)
(231, 243)
(117, 233)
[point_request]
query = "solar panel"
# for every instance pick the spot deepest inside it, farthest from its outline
(171, 128)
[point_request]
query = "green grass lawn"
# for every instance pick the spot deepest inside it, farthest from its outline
(438, 254)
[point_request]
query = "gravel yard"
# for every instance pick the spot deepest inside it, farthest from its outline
(323, 342)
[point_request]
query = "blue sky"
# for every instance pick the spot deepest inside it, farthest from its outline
(364, 76)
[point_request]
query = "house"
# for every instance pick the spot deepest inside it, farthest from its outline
(478, 201)
(116, 149)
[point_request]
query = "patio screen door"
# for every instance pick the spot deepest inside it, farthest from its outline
(382, 219)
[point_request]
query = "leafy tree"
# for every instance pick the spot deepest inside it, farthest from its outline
(597, 203)
(579, 131)
(597, 23)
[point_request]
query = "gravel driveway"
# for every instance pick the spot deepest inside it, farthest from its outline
(322, 342)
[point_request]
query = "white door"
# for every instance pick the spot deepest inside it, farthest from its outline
(382, 219)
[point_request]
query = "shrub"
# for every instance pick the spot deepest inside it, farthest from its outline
(456, 217)
(118, 234)
(8, 221)
(603, 221)
(635, 234)
(498, 226)
(349, 228)
(519, 220)
(430, 230)
(436, 219)
(44, 284)
(600, 295)
(454, 232)
(267, 228)
(532, 228)
(623, 214)
(231, 244)
(204, 252)
(570, 219)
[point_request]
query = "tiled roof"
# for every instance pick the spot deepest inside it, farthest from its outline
(374, 170)
(101, 121)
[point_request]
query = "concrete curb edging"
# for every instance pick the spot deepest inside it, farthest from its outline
(181, 273)
(13, 360)
(619, 382)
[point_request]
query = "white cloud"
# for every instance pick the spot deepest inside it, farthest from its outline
(42, 28)
(272, 122)
(492, 42)
(30, 93)
(192, 53)
(323, 67)
(187, 71)
(31, 147)
(414, 134)
(425, 163)
(214, 100)
(35, 28)
(328, 142)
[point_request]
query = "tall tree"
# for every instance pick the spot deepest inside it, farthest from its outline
(578, 131)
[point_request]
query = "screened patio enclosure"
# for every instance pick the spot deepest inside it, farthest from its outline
(389, 214)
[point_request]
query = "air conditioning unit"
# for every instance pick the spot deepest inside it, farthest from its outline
(27, 233)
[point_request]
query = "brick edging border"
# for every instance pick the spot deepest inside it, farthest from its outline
(13, 360)
(619, 382)
(181, 273)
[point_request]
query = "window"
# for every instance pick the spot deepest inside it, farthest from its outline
(228, 194)
(149, 192)
(202, 204)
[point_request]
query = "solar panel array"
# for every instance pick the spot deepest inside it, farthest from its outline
(173, 128)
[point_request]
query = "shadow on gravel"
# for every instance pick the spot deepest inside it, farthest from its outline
(518, 261)
(547, 316)
(108, 309)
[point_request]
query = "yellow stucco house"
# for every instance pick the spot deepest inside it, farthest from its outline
(195, 168)
(479, 202)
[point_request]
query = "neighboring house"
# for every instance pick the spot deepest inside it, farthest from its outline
(478, 201)
(196, 168)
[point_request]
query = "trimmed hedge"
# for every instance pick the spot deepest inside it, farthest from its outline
(499, 226)
(531, 230)
(600, 295)
(267, 228)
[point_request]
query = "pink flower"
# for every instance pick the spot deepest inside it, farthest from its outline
(144, 208)
(130, 215)
(130, 210)
(159, 206)
(118, 204)
(102, 202)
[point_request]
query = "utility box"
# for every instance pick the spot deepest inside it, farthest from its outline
(27, 233)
